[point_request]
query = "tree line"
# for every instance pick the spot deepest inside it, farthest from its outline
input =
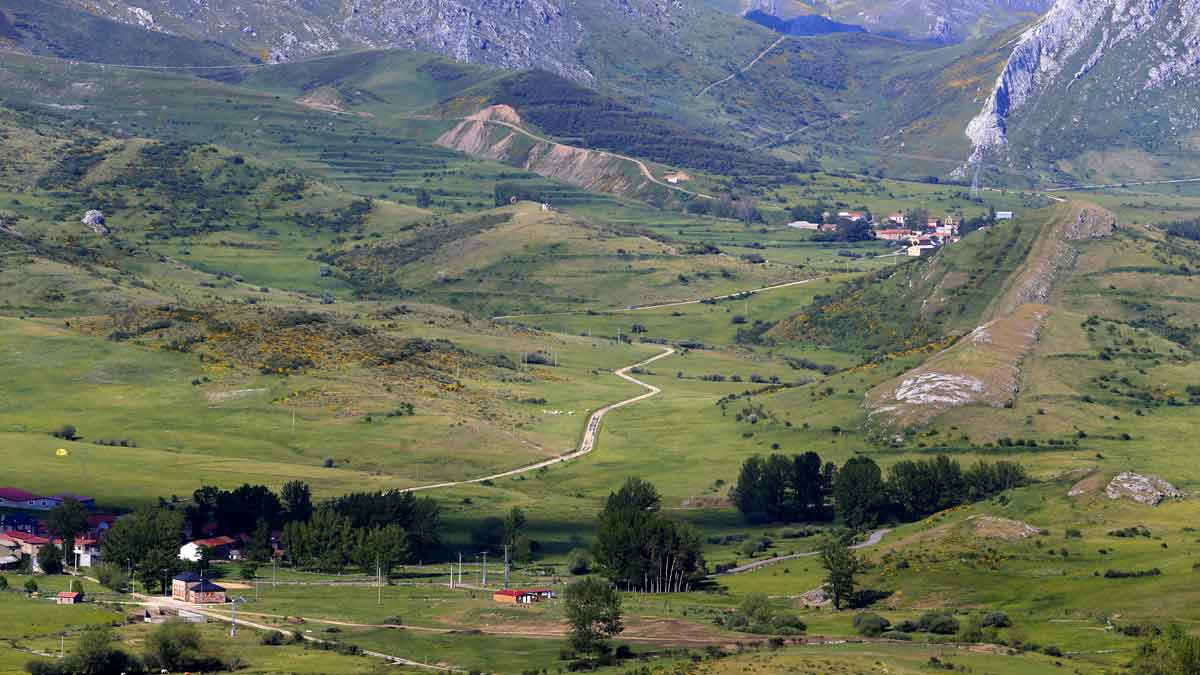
(362, 529)
(801, 487)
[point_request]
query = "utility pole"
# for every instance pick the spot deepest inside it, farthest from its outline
(274, 566)
(378, 581)
(460, 569)
(506, 566)
(484, 582)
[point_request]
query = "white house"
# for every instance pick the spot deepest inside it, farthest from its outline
(219, 548)
(1004, 215)
(87, 552)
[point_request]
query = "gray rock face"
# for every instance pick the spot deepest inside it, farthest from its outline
(1141, 488)
(1133, 51)
(95, 220)
(545, 34)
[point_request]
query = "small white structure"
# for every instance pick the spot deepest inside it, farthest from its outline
(804, 225)
(1004, 215)
(918, 250)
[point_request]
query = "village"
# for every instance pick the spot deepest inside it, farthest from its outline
(203, 554)
(915, 238)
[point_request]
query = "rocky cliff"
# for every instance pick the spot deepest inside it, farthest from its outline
(1094, 70)
(545, 34)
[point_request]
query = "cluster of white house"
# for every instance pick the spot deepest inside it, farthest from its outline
(918, 238)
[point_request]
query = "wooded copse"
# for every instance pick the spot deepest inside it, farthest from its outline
(780, 488)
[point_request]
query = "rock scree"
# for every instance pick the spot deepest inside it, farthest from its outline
(1141, 488)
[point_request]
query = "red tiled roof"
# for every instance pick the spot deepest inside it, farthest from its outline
(508, 592)
(69, 594)
(215, 541)
(16, 494)
(95, 521)
(27, 538)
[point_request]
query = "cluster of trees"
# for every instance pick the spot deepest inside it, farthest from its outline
(241, 509)
(744, 210)
(802, 488)
(496, 534)
(174, 646)
(757, 615)
(362, 529)
(782, 488)
(148, 542)
(637, 548)
(329, 542)
(1184, 229)
(566, 109)
(365, 529)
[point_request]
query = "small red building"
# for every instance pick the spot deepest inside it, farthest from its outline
(522, 596)
(69, 598)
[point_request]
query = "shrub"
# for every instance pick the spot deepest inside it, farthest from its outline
(579, 562)
(1123, 574)
(65, 432)
(995, 620)
(3, 583)
(870, 625)
(908, 626)
(940, 623)
(31, 586)
(271, 639)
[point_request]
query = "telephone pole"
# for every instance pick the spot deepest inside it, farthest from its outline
(484, 582)
(378, 582)
(506, 566)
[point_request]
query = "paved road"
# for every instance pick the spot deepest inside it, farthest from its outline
(871, 540)
(748, 66)
(679, 303)
(589, 433)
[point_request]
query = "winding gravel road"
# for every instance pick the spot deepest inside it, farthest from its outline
(589, 433)
(872, 539)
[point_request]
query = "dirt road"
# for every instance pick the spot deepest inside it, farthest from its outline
(748, 66)
(871, 540)
(640, 164)
(589, 433)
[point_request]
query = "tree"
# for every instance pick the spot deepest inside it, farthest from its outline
(1175, 653)
(383, 546)
(174, 646)
(859, 492)
(259, 549)
(325, 542)
(841, 566)
(66, 521)
(95, 654)
(424, 199)
(50, 559)
(149, 540)
(297, 501)
(593, 610)
(488, 534)
(112, 577)
(636, 547)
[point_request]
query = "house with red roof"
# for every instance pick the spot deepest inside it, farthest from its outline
(219, 548)
(522, 596)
